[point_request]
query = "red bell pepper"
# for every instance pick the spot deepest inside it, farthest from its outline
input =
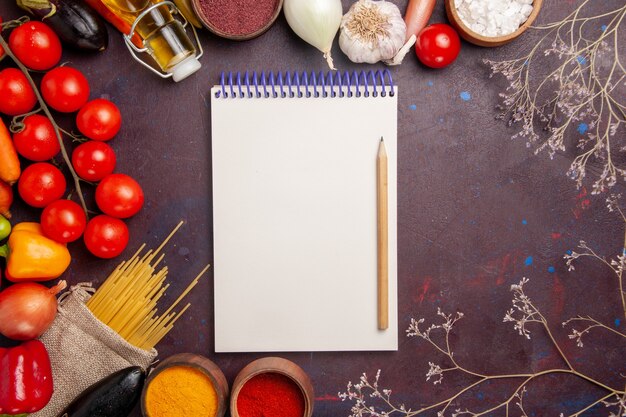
(25, 378)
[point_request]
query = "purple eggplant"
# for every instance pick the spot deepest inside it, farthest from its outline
(114, 396)
(77, 24)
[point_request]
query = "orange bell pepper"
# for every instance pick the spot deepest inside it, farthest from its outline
(31, 256)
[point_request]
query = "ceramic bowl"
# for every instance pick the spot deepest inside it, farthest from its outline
(274, 365)
(200, 363)
(196, 4)
(489, 41)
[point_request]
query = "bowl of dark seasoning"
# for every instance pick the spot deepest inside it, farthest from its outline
(237, 19)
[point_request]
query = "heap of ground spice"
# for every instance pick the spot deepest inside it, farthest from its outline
(270, 395)
(181, 391)
(238, 17)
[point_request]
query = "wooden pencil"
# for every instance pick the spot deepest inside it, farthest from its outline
(383, 236)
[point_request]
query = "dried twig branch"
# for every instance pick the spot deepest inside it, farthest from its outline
(523, 314)
(583, 93)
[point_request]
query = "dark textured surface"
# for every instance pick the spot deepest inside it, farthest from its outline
(473, 206)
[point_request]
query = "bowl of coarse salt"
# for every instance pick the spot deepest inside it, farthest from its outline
(492, 22)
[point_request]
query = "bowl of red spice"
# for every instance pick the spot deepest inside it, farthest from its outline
(184, 385)
(237, 19)
(272, 387)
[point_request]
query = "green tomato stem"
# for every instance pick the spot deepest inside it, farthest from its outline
(4, 252)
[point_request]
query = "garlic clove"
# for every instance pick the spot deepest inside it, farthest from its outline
(397, 59)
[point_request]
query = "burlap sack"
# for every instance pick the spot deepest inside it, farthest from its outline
(83, 350)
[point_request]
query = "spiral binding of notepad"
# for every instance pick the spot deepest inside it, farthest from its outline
(294, 84)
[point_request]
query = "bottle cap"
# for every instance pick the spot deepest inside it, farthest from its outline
(185, 68)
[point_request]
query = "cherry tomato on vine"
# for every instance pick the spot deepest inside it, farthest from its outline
(17, 96)
(105, 236)
(40, 184)
(36, 45)
(63, 221)
(65, 89)
(93, 160)
(37, 142)
(119, 195)
(437, 45)
(99, 119)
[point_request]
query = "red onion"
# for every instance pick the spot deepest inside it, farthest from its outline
(28, 309)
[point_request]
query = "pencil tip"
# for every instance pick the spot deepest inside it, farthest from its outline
(381, 138)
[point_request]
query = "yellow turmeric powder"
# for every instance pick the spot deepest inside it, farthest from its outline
(181, 391)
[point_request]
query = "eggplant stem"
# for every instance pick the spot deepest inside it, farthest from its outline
(30, 5)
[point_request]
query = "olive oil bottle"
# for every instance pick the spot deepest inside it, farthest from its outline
(164, 37)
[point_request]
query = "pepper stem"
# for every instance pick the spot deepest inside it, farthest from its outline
(4, 252)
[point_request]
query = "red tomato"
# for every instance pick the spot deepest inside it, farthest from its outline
(99, 119)
(37, 142)
(65, 89)
(437, 45)
(93, 160)
(105, 236)
(40, 184)
(63, 221)
(17, 95)
(118, 195)
(36, 45)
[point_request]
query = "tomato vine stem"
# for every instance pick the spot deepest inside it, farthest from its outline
(46, 110)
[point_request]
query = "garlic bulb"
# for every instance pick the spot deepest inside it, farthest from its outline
(315, 21)
(372, 31)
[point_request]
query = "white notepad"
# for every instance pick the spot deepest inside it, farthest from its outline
(294, 214)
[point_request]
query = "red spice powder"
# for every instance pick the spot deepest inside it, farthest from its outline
(270, 395)
(238, 17)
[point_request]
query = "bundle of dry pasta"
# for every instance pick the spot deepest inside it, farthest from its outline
(127, 300)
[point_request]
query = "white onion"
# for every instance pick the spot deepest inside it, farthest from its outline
(315, 21)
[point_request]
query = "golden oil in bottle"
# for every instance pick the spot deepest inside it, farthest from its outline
(164, 37)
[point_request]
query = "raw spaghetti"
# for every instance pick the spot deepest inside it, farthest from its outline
(127, 300)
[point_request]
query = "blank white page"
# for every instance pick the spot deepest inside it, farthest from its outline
(294, 222)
